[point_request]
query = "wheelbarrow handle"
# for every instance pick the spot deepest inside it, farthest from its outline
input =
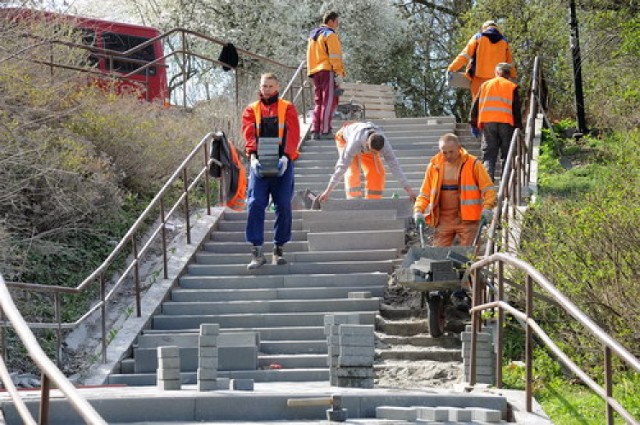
(421, 231)
(476, 239)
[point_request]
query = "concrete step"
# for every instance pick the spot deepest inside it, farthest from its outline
(299, 361)
(187, 337)
(261, 320)
(266, 404)
(275, 375)
(446, 341)
(239, 226)
(302, 257)
(239, 236)
(375, 279)
(227, 295)
(383, 239)
(269, 306)
(403, 207)
(245, 247)
(316, 215)
(319, 242)
(412, 353)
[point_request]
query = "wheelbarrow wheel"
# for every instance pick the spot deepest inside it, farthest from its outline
(436, 315)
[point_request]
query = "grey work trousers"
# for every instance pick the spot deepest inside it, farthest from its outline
(497, 137)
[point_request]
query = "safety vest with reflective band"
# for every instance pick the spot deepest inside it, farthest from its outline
(495, 102)
(471, 188)
(282, 111)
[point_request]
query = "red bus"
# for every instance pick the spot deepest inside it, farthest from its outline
(150, 82)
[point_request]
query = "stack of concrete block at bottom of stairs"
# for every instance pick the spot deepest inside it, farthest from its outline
(351, 350)
(485, 355)
(207, 373)
(442, 414)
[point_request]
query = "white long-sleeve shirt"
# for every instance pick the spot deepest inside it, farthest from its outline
(355, 135)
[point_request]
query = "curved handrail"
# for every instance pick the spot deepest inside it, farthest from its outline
(611, 346)
(46, 366)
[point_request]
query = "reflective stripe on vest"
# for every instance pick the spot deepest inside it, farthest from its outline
(282, 111)
(496, 101)
(470, 196)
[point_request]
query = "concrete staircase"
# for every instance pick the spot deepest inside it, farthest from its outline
(348, 247)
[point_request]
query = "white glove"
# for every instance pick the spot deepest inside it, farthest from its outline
(338, 79)
(282, 165)
(418, 217)
(256, 167)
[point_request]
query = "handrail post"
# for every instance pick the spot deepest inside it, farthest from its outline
(475, 323)
(3, 336)
(165, 261)
(186, 204)
(499, 348)
(303, 98)
(58, 315)
(43, 418)
(136, 275)
(608, 384)
(207, 180)
(103, 316)
(529, 343)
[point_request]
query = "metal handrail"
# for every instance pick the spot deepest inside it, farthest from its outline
(180, 174)
(610, 345)
(50, 373)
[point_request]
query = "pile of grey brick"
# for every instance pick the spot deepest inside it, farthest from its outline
(207, 373)
(485, 355)
(351, 351)
(168, 373)
(421, 414)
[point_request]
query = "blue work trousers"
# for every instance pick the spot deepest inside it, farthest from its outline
(281, 191)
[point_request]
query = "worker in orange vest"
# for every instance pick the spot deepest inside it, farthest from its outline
(482, 53)
(455, 194)
(360, 145)
(497, 113)
(271, 130)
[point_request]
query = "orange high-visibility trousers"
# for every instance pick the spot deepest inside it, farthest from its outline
(372, 168)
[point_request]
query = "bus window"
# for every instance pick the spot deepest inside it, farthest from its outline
(124, 42)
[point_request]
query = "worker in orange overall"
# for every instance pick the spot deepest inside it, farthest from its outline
(360, 146)
(455, 194)
(481, 55)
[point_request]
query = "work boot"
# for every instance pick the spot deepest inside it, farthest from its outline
(278, 256)
(257, 258)
(315, 136)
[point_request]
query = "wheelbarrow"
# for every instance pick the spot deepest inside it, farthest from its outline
(437, 272)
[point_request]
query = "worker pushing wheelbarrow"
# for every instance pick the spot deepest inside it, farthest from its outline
(457, 197)
(438, 272)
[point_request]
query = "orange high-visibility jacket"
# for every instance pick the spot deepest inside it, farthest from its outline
(487, 49)
(288, 126)
(496, 102)
(476, 189)
(324, 51)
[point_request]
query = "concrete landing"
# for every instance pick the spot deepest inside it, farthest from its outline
(267, 403)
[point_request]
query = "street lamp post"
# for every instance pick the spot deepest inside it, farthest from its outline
(577, 68)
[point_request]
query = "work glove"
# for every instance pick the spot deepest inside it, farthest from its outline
(282, 165)
(418, 217)
(256, 167)
(338, 80)
(476, 132)
(487, 215)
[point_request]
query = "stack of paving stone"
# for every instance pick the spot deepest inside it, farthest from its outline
(485, 355)
(168, 373)
(207, 374)
(351, 351)
(440, 414)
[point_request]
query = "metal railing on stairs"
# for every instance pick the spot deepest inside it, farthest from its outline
(51, 375)
(517, 176)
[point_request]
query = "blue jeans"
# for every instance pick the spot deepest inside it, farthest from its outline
(281, 191)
